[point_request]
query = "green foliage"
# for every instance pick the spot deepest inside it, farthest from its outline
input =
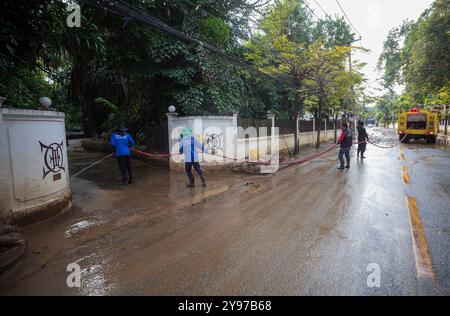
(391, 59)
(386, 108)
(310, 57)
(24, 88)
(427, 59)
(109, 72)
(442, 97)
(336, 33)
(214, 31)
(108, 105)
(422, 64)
(306, 54)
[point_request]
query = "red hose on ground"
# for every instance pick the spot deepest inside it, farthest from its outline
(149, 154)
(284, 163)
(308, 158)
(300, 161)
(168, 155)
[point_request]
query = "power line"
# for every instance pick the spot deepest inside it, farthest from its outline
(311, 10)
(345, 14)
(129, 11)
(329, 17)
(246, 6)
(199, 7)
(254, 24)
(325, 12)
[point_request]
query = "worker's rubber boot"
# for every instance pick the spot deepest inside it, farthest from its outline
(191, 183)
(191, 179)
(348, 163)
(203, 181)
(124, 180)
(342, 164)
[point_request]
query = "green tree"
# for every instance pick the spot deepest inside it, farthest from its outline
(422, 63)
(306, 56)
(138, 69)
(329, 82)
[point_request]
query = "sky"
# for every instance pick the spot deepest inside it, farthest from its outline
(373, 19)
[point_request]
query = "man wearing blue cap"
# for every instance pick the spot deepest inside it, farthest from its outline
(121, 143)
(188, 146)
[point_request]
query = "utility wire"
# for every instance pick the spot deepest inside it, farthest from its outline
(345, 14)
(250, 7)
(130, 12)
(198, 7)
(329, 17)
(325, 12)
(311, 10)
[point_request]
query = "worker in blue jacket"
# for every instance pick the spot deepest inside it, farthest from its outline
(121, 143)
(188, 146)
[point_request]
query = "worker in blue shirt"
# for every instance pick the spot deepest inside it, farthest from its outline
(188, 146)
(121, 143)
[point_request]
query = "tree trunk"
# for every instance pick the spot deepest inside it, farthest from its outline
(298, 111)
(296, 142)
(446, 121)
(335, 127)
(318, 127)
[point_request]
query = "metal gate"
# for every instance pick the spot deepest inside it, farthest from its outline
(158, 138)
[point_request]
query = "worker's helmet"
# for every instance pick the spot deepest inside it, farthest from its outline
(185, 132)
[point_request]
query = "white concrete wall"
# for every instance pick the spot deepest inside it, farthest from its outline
(216, 132)
(393, 126)
(229, 143)
(33, 162)
(5, 170)
(285, 142)
(442, 129)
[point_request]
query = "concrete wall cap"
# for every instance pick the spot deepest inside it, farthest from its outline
(203, 118)
(30, 114)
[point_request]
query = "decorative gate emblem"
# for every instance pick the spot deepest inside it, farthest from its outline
(53, 158)
(214, 142)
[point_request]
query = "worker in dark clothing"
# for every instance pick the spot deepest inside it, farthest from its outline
(346, 142)
(363, 138)
(121, 143)
(188, 146)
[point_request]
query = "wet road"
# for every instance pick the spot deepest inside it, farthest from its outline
(307, 230)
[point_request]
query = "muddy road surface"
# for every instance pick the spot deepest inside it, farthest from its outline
(380, 228)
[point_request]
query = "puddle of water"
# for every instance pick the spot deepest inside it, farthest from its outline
(93, 281)
(201, 195)
(95, 274)
(81, 226)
